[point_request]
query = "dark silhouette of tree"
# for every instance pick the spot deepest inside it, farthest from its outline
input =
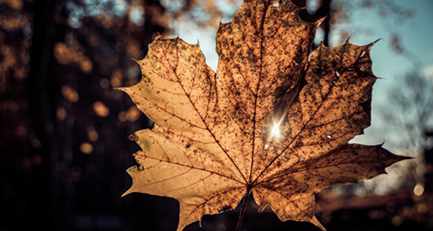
(412, 102)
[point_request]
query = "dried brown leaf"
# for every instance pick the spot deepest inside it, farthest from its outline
(273, 121)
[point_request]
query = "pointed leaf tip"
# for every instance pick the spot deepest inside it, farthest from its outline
(318, 23)
(347, 40)
(317, 223)
(127, 192)
(369, 45)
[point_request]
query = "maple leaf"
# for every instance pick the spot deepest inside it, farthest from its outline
(274, 121)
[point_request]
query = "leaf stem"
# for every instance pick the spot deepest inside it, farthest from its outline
(243, 210)
(241, 216)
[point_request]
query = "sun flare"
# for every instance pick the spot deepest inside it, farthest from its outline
(275, 131)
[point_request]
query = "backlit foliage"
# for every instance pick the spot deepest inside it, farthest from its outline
(273, 121)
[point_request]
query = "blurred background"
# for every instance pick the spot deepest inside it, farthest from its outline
(64, 144)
